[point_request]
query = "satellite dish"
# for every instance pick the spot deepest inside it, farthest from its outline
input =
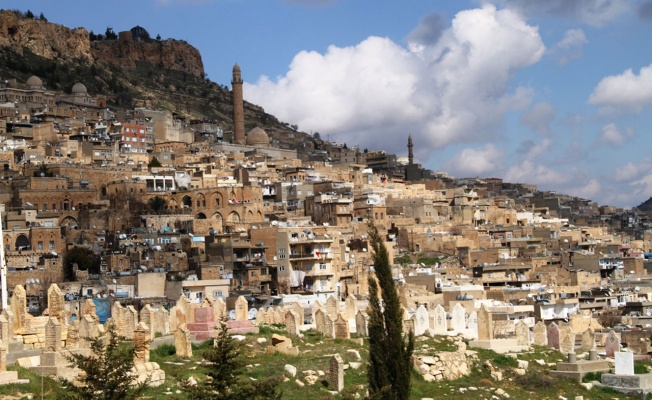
(114, 281)
(550, 291)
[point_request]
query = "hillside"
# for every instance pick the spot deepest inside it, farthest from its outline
(166, 74)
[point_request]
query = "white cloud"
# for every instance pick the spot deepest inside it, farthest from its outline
(452, 91)
(569, 48)
(626, 91)
(613, 136)
(472, 162)
(590, 190)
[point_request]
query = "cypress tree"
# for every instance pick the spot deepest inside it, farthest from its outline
(390, 351)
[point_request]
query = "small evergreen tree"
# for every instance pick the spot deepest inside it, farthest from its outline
(155, 163)
(390, 351)
(226, 370)
(107, 371)
(29, 14)
(42, 17)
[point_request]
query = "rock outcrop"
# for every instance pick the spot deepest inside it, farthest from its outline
(57, 42)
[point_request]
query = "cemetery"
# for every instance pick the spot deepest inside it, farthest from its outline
(321, 350)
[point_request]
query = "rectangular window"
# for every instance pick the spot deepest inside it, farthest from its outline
(281, 268)
(40, 245)
(263, 271)
(281, 254)
(51, 245)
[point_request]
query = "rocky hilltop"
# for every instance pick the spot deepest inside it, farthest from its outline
(57, 42)
(128, 69)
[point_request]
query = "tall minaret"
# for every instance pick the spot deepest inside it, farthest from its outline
(410, 152)
(238, 107)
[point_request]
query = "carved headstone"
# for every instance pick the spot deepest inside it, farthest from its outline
(320, 321)
(485, 324)
(588, 340)
(612, 343)
(299, 311)
(540, 334)
(439, 326)
(350, 307)
(342, 330)
(183, 304)
(522, 333)
(4, 329)
(473, 324)
(182, 342)
(52, 335)
(72, 338)
(9, 317)
(261, 317)
(89, 308)
(336, 381)
(18, 305)
(141, 343)
(458, 322)
(553, 336)
(420, 321)
(116, 315)
(291, 323)
(219, 308)
(56, 305)
(332, 307)
(361, 322)
(129, 321)
(241, 309)
(148, 318)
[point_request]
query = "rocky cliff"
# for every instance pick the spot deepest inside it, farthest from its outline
(47, 40)
(57, 42)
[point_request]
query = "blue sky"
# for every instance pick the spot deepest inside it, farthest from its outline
(556, 93)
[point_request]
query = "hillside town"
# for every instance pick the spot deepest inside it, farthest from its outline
(165, 223)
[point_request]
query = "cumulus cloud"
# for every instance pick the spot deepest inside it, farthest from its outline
(613, 136)
(539, 117)
(475, 162)
(454, 90)
(592, 12)
(569, 48)
(626, 91)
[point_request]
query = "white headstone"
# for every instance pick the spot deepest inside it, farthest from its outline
(420, 321)
(458, 323)
(624, 363)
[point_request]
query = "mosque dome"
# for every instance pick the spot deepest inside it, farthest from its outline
(236, 68)
(34, 82)
(79, 88)
(257, 137)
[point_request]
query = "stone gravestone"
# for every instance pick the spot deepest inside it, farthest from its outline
(588, 340)
(241, 309)
(439, 321)
(317, 305)
(420, 321)
(52, 335)
(4, 329)
(332, 307)
(624, 363)
(116, 315)
(18, 305)
(129, 321)
(350, 307)
(162, 321)
(261, 317)
(142, 341)
(336, 381)
(147, 316)
(56, 306)
(540, 334)
(458, 322)
(88, 329)
(612, 343)
(183, 304)
(182, 343)
(361, 322)
(219, 307)
(473, 324)
(299, 311)
(566, 339)
(3, 356)
(320, 321)
(89, 308)
(553, 336)
(292, 323)
(342, 328)
(8, 315)
(522, 334)
(485, 324)
(72, 338)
